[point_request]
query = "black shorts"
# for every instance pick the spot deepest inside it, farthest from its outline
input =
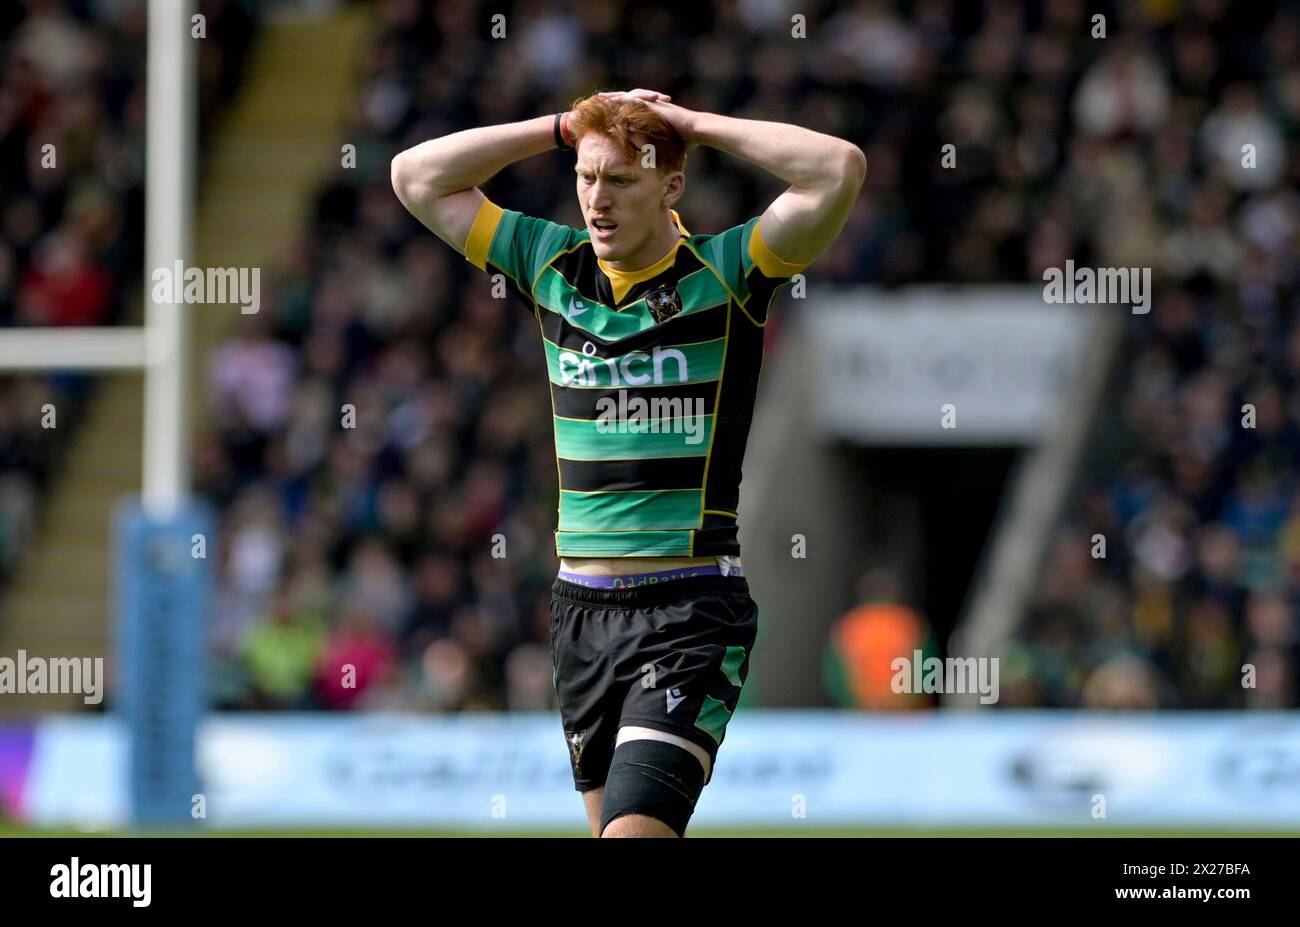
(670, 657)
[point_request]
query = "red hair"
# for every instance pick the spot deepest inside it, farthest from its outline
(621, 121)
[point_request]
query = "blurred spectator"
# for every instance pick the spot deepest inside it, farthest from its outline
(281, 654)
(358, 659)
(864, 644)
(1123, 682)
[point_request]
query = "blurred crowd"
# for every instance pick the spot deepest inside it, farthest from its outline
(72, 109)
(381, 447)
(1175, 580)
(70, 139)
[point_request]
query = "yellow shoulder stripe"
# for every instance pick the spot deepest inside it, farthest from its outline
(769, 263)
(482, 232)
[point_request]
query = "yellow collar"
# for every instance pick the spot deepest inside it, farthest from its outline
(621, 281)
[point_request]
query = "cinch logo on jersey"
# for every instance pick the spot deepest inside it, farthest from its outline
(588, 370)
(103, 880)
(659, 415)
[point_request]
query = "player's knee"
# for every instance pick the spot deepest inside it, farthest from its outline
(638, 825)
(655, 779)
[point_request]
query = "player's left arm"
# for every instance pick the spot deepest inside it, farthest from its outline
(825, 174)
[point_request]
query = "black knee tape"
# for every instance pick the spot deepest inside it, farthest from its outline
(654, 778)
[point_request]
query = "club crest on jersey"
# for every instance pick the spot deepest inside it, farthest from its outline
(664, 303)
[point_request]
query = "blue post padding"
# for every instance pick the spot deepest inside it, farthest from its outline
(162, 598)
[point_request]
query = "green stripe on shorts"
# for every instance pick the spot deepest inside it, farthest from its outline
(731, 664)
(713, 718)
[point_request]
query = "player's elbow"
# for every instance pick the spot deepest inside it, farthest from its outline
(414, 181)
(854, 168)
(402, 174)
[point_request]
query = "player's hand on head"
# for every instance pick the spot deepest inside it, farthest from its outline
(649, 96)
(679, 117)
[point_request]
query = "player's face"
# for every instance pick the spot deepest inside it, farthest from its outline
(622, 203)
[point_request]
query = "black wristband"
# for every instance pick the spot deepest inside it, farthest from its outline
(559, 139)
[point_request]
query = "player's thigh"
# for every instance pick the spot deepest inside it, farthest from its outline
(590, 699)
(694, 672)
(633, 824)
(634, 732)
(651, 789)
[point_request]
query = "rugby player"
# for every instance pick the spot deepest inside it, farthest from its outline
(653, 339)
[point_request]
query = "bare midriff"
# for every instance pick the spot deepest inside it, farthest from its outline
(626, 566)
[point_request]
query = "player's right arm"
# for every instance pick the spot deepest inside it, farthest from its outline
(437, 180)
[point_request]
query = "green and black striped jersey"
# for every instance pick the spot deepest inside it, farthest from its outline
(653, 376)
